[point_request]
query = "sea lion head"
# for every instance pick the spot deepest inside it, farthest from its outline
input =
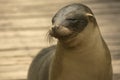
(71, 20)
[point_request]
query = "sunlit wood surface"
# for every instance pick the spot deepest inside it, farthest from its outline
(24, 24)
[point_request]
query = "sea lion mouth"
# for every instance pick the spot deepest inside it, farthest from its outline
(61, 32)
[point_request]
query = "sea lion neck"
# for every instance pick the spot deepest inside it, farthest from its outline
(69, 43)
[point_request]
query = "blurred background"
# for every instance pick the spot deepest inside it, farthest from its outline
(24, 24)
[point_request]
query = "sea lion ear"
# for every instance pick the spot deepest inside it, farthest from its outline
(91, 18)
(89, 15)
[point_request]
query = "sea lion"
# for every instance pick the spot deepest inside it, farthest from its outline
(80, 53)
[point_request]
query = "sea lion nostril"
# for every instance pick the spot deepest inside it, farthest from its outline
(55, 28)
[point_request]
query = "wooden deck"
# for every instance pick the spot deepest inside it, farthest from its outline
(24, 23)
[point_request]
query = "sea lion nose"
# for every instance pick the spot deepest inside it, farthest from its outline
(55, 28)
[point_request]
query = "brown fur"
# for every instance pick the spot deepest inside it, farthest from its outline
(80, 53)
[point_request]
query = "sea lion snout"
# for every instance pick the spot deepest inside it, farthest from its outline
(60, 31)
(55, 28)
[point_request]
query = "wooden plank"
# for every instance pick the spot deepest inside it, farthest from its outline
(35, 2)
(116, 77)
(15, 67)
(116, 67)
(13, 75)
(19, 53)
(14, 62)
(22, 33)
(25, 23)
